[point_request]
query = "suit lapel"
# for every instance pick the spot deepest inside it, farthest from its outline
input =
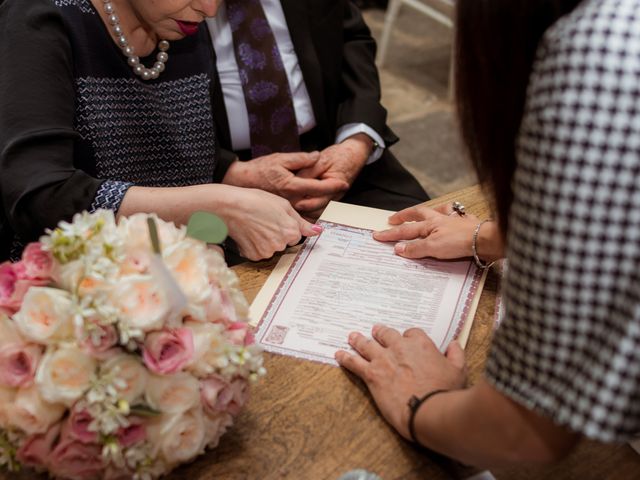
(219, 109)
(297, 14)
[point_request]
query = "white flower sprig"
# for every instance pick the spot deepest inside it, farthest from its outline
(129, 336)
(108, 411)
(245, 361)
(140, 459)
(88, 235)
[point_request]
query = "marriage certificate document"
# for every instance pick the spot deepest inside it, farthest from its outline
(343, 280)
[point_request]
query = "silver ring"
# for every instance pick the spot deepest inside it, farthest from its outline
(458, 208)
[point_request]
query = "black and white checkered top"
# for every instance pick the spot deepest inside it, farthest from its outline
(569, 347)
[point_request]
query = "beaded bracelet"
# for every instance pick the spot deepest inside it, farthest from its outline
(414, 404)
(474, 248)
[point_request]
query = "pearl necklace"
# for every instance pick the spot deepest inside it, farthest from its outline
(132, 59)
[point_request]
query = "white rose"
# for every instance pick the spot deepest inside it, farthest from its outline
(181, 437)
(175, 296)
(239, 302)
(185, 260)
(142, 302)
(208, 347)
(135, 261)
(227, 280)
(7, 399)
(68, 275)
(173, 394)
(215, 426)
(135, 232)
(31, 413)
(85, 276)
(65, 374)
(129, 369)
(45, 315)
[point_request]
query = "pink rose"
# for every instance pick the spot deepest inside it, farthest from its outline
(35, 450)
(215, 426)
(18, 364)
(136, 432)
(220, 308)
(75, 460)
(37, 263)
(239, 334)
(99, 341)
(219, 395)
(78, 425)
(32, 414)
(12, 288)
(168, 351)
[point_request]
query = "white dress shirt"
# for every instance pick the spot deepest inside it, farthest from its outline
(232, 87)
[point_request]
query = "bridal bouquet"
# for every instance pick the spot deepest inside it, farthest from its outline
(124, 350)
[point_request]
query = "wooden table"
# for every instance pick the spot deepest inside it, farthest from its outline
(314, 422)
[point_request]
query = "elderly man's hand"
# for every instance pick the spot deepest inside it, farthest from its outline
(276, 174)
(343, 162)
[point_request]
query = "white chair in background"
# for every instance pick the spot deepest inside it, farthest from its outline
(392, 15)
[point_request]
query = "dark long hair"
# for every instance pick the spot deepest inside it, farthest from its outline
(495, 50)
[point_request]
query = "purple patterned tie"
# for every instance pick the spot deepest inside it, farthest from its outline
(272, 119)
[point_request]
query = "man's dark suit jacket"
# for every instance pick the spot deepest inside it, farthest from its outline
(336, 53)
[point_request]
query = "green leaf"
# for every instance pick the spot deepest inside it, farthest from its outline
(207, 227)
(144, 411)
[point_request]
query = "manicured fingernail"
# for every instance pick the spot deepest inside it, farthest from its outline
(400, 247)
(317, 228)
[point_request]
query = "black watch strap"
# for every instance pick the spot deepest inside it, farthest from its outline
(414, 404)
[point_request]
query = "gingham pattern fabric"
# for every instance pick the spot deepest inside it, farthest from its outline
(569, 347)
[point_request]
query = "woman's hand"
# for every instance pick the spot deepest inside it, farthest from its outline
(396, 366)
(426, 232)
(430, 233)
(262, 223)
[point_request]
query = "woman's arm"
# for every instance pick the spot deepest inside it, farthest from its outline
(478, 425)
(259, 222)
(425, 232)
(38, 182)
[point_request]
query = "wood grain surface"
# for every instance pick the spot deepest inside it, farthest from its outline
(316, 422)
